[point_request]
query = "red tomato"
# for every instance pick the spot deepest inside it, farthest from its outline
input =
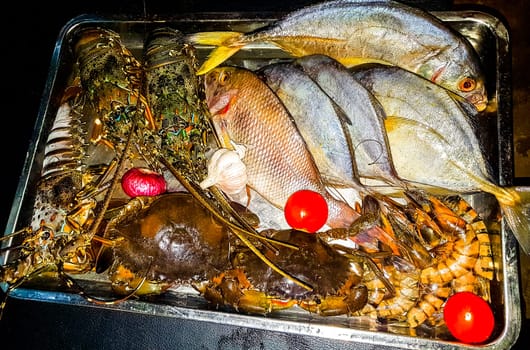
(468, 317)
(306, 210)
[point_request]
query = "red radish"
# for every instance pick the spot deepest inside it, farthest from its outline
(143, 182)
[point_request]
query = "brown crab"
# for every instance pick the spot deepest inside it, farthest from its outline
(177, 241)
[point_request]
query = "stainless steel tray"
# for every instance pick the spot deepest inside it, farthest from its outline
(489, 37)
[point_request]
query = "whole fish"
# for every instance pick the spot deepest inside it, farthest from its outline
(434, 142)
(245, 111)
(357, 31)
(317, 119)
(365, 117)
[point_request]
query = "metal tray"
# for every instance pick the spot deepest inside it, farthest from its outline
(489, 37)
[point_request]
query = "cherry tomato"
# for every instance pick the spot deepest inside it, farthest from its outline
(468, 317)
(306, 210)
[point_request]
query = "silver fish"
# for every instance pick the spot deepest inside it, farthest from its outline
(408, 96)
(365, 117)
(357, 31)
(317, 119)
(434, 143)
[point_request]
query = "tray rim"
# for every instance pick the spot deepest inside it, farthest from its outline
(510, 269)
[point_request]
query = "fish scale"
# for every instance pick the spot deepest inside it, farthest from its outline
(317, 119)
(365, 115)
(250, 133)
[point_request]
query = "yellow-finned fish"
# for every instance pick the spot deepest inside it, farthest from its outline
(360, 31)
(433, 139)
(245, 111)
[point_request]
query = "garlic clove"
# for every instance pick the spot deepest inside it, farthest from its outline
(227, 171)
(239, 149)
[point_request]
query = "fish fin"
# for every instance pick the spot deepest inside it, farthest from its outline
(350, 62)
(216, 57)
(514, 204)
(507, 197)
(516, 212)
(297, 47)
(227, 42)
(220, 38)
(340, 112)
(392, 122)
(396, 122)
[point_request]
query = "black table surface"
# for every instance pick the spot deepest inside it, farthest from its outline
(29, 37)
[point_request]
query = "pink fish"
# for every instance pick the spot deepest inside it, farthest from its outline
(246, 112)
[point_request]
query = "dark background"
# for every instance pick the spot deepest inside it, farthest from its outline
(29, 35)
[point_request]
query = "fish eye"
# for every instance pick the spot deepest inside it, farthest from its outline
(223, 78)
(467, 84)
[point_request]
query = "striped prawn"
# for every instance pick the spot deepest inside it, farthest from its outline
(444, 248)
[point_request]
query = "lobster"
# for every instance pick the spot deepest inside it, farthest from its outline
(85, 148)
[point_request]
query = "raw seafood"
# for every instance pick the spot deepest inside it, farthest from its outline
(357, 31)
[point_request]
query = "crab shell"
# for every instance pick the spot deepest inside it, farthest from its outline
(253, 287)
(176, 240)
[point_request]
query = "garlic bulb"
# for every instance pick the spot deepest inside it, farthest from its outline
(226, 170)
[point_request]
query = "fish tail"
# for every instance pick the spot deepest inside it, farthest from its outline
(225, 38)
(227, 43)
(341, 214)
(515, 206)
